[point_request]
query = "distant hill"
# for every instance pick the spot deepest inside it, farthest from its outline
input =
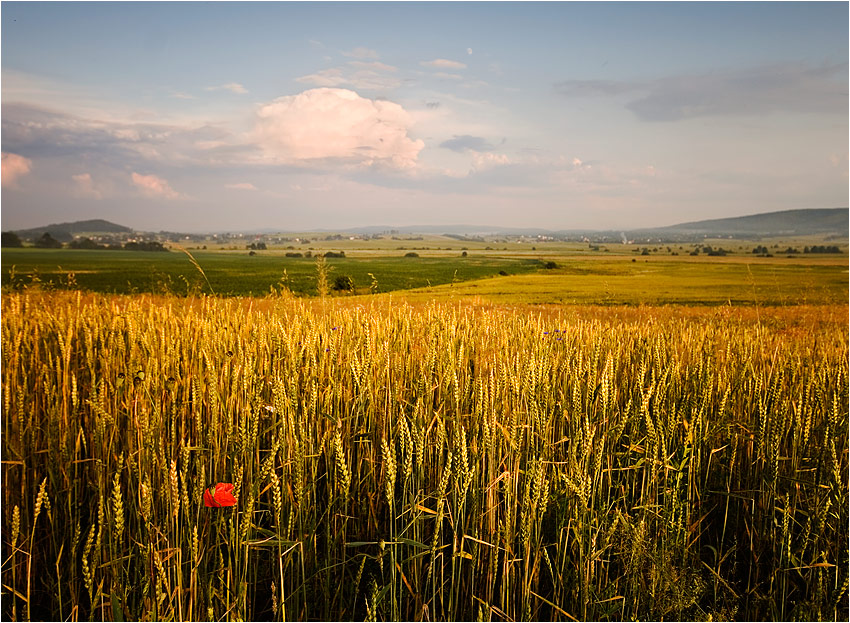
(64, 232)
(468, 230)
(786, 222)
(832, 221)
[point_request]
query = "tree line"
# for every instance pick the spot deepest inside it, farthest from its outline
(46, 241)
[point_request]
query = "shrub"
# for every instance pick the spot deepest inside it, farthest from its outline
(343, 283)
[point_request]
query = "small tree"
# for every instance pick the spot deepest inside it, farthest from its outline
(48, 242)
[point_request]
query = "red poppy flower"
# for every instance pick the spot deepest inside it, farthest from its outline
(220, 495)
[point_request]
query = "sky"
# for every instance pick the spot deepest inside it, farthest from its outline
(229, 116)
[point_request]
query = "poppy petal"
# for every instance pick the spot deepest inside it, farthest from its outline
(209, 499)
(224, 494)
(220, 495)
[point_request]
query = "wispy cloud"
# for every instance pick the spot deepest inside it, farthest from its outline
(362, 75)
(38, 131)
(14, 167)
(241, 186)
(373, 65)
(482, 161)
(786, 87)
(443, 63)
(361, 52)
(233, 87)
(337, 125)
(154, 186)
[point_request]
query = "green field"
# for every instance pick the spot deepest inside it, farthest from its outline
(580, 276)
(127, 272)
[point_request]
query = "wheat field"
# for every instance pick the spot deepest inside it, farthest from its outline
(436, 462)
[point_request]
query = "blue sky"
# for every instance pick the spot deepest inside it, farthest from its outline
(235, 116)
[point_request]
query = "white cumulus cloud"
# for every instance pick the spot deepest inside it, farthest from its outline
(337, 124)
(241, 186)
(13, 168)
(154, 186)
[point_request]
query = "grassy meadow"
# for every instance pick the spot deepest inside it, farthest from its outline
(608, 439)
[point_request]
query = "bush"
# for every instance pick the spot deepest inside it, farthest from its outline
(411, 254)
(343, 283)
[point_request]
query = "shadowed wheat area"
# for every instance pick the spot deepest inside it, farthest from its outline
(436, 462)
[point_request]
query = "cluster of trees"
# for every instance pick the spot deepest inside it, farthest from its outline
(330, 254)
(47, 241)
(762, 250)
(145, 245)
(822, 249)
(10, 239)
